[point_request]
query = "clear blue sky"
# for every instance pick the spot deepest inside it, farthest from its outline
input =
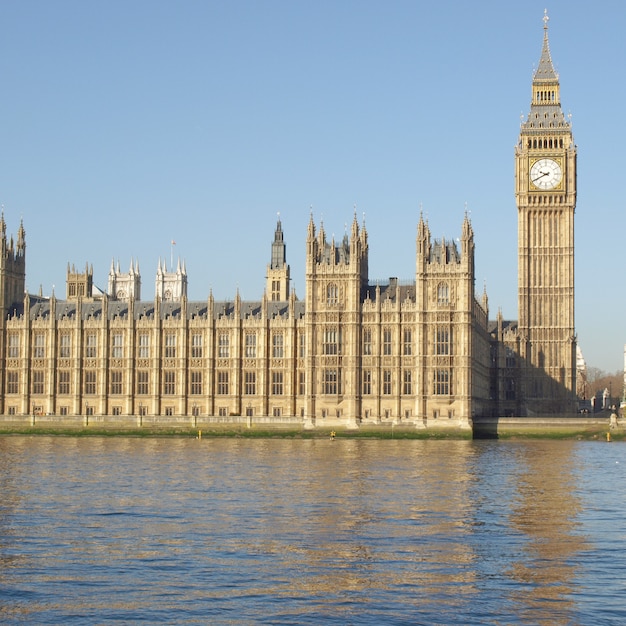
(129, 124)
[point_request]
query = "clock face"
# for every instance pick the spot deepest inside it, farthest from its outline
(545, 174)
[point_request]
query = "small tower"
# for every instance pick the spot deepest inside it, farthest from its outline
(12, 267)
(171, 286)
(277, 279)
(124, 286)
(79, 284)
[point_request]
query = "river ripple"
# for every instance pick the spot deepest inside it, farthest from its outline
(240, 531)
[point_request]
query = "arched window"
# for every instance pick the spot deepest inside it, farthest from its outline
(443, 294)
(332, 294)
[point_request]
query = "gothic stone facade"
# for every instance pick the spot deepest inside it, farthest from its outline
(420, 352)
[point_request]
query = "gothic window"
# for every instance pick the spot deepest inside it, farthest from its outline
(91, 346)
(117, 345)
(510, 358)
(277, 383)
(443, 382)
(387, 341)
(144, 346)
(301, 383)
(367, 342)
(367, 382)
(302, 345)
(250, 345)
(407, 336)
(275, 290)
(407, 387)
(143, 381)
(332, 381)
(442, 341)
(223, 346)
(64, 382)
(170, 346)
(39, 346)
(65, 346)
(90, 383)
(222, 383)
(13, 351)
(115, 388)
(443, 294)
(387, 384)
(249, 383)
(169, 383)
(196, 383)
(13, 379)
(331, 341)
(38, 382)
(277, 345)
(332, 294)
(196, 346)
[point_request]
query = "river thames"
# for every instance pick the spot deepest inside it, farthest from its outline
(98, 530)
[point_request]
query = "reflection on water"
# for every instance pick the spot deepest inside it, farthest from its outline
(282, 531)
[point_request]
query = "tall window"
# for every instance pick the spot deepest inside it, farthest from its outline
(301, 383)
(13, 351)
(407, 387)
(115, 386)
(223, 346)
(64, 382)
(143, 382)
(39, 346)
(275, 290)
(367, 382)
(387, 386)
(250, 348)
(170, 346)
(442, 340)
(222, 383)
(38, 382)
(387, 341)
(367, 342)
(91, 346)
(407, 340)
(277, 383)
(301, 345)
(117, 345)
(196, 346)
(169, 383)
(13, 382)
(332, 294)
(196, 383)
(443, 382)
(249, 384)
(331, 341)
(443, 294)
(89, 382)
(332, 381)
(65, 346)
(277, 345)
(144, 346)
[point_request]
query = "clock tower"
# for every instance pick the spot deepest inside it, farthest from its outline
(545, 192)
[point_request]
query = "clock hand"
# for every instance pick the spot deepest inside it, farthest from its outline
(542, 175)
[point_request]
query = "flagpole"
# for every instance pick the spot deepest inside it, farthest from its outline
(172, 244)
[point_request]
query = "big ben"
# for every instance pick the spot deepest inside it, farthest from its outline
(545, 191)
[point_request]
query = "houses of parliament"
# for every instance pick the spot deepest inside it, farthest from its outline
(421, 352)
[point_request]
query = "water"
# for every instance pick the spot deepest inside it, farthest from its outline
(238, 531)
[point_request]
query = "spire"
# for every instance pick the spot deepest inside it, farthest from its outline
(279, 251)
(545, 106)
(545, 72)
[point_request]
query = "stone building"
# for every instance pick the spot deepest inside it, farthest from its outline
(420, 352)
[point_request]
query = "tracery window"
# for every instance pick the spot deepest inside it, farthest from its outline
(443, 293)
